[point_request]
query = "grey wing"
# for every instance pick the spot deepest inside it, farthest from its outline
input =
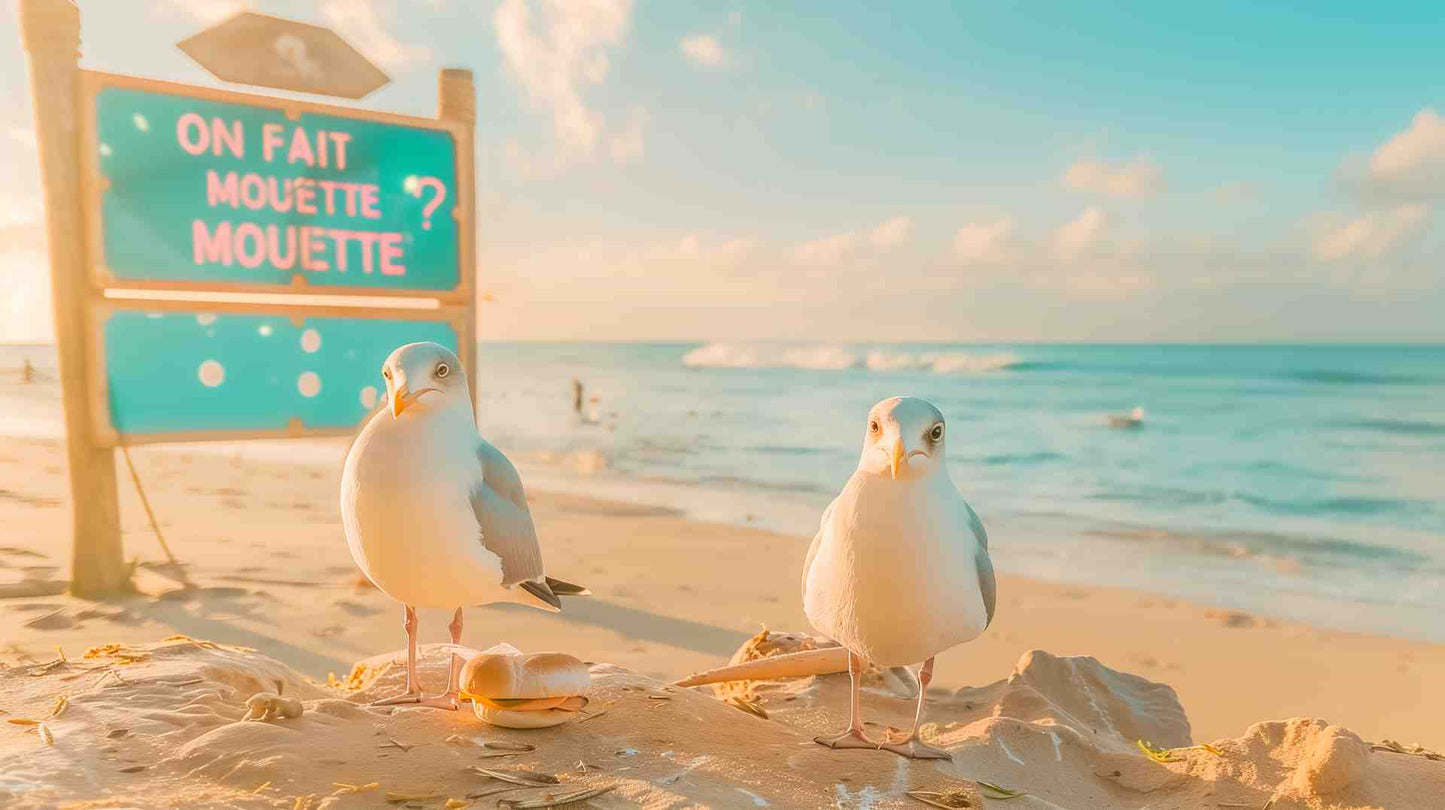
(977, 526)
(987, 587)
(813, 549)
(846, 497)
(506, 525)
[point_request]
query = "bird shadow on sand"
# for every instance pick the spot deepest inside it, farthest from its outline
(643, 625)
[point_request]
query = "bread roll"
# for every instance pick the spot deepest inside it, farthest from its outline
(545, 718)
(520, 677)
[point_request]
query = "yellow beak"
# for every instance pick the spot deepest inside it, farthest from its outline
(899, 459)
(399, 400)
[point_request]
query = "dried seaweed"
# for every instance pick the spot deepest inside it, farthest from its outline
(750, 706)
(555, 801)
(992, 791)
(394, 796)
(1156, 753)
(518, 777)
(949, 801)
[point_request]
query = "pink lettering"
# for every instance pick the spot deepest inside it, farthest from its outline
(250, 257)
(211, 248)
(220, 191)
(390, 250)
(273, 247)
(191, 133)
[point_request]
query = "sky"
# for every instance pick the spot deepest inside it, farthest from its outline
(862, 171)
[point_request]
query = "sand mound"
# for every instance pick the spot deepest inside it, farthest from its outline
(163, 725)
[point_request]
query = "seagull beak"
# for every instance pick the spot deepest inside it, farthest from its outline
(399, 400)
(899, 457)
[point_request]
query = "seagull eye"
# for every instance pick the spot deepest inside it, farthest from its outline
(937, 433)
(386, 372)
(873, 426)
(443, 370)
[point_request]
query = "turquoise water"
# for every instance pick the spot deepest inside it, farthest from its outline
(1299, 482)
(1304, 482)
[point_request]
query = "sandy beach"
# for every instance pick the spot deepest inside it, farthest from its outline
(262, 546)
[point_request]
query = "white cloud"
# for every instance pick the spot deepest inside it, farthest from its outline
(979, 242)
(367, 26)
(630, 144)
(891, 232)
(1411, 162)
(25, 136)
(1371, 236)
(559, 53)
(1076, 237)
(703, 49)
(828, 250)
(1140, 177)
(202, 11)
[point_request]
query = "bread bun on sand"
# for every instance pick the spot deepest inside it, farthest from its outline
(534, 690)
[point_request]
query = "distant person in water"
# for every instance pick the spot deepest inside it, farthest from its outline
(27, 374)
(576, 395)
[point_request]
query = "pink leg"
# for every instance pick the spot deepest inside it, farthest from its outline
(912, 746)
(413, 689)
(853, 737)
(448, 699)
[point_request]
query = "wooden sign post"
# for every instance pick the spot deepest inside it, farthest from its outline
(156, 187)
(51, 29)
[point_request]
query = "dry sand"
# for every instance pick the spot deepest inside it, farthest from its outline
(263, 550)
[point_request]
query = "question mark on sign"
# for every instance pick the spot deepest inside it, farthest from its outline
(415, 185)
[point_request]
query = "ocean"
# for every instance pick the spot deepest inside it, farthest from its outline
(1300, 482)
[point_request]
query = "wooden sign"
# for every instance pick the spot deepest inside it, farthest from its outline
(201, 189)
(163, 201)
(252, 48)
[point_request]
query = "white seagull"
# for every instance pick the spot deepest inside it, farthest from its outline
(899, 570)
(434, 515)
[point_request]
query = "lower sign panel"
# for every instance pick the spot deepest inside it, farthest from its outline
(191, 374)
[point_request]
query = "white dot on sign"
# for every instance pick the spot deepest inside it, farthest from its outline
(368, 397)
(308, 384)
(264, 329)
(411, 185)
(310, 341)
(105, 150)
(211, 373)
(205, 319)
(141, 123)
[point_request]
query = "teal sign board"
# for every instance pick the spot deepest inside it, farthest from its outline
(181, 372)
(200, 190)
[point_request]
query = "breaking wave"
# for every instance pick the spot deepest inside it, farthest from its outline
(837, 358)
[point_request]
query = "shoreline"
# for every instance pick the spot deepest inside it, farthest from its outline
(673, 595)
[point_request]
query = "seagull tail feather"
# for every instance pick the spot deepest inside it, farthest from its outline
(545, 599)
(562, 588)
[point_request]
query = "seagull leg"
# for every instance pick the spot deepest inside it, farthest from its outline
(448, 699)
(413, 689)
(912, 746)
(853, 737)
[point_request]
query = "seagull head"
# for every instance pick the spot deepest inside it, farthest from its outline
(423, 376)
(904, 439)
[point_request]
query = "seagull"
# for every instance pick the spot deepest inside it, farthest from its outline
(899, 570)
(434, 515)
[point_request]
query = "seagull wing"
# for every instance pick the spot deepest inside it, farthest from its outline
(505, 521)
(987, 586)
(813, 549)
(825, 525)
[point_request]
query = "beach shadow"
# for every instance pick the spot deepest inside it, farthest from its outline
(176, 616)
(640, 624)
